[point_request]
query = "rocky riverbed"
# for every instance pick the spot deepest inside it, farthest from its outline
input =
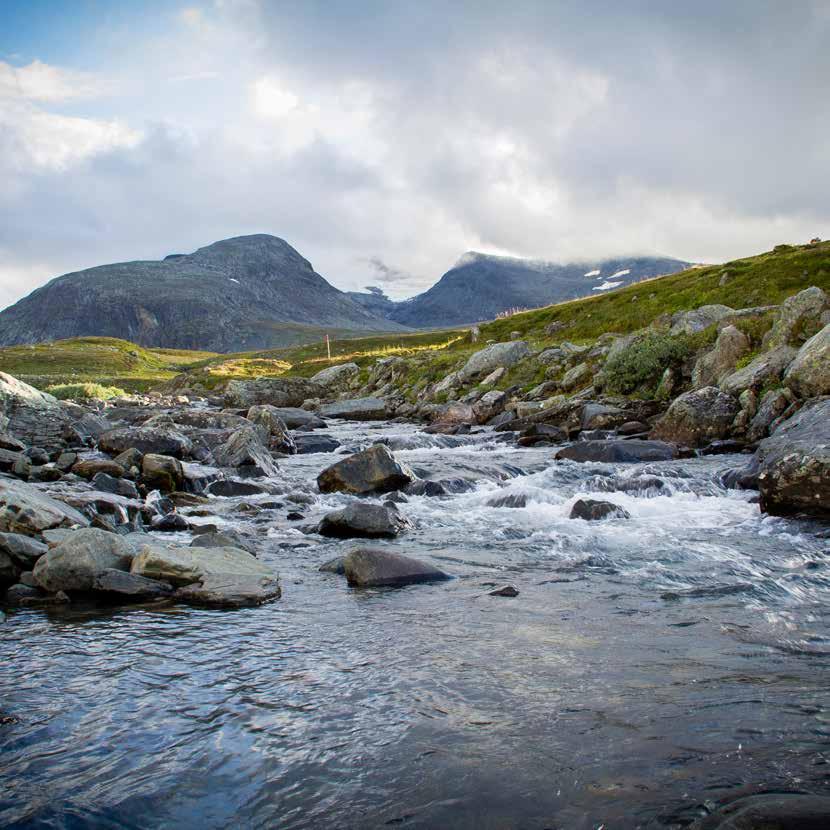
(252, 615)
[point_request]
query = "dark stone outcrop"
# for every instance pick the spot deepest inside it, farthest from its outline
(591, 510)
(372, 470)
(361, 520)
(619, 451)
(158, 440)
(375, 567)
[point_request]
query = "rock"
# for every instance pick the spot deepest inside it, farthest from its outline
(119, 486)
(245, 451)
(794, 463)
(170, 522)
(358, 409)
(231, 591)
(592, 511)
(765, 369)
(31, 416)
(581, 375)
(9, 442)
(770, 811)
(334, 566)
(621, 451)
(21, 594)
(601, 416)
(275, 428)
(633, 428)
(37, 455)
(161, 472)
(454, 412)
(809, 374)
(690, 322)
(130, 584)
(231, 487)
(375, 567)
(335, 377)
(73, 564)
(499, 355)
(724, 447)
(494, 377)
(731, 345)
(537, 434)
(26, 510)
(279, 392)
(697, 418)
(372, 470)
(22, 551)
(15, 463)
(772, 405)
(361, 520)
(10, 571)
(221, 539)
(296, 418)
(742, 478)
(130, 459)
(307, 444)
(799, 313)
(185, 565)
(489, 405)
(157, 440)
(505, 591)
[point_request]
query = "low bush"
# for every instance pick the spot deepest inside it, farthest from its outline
(84, 391)
(639, 367)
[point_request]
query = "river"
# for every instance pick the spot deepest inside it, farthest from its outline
(649, 667)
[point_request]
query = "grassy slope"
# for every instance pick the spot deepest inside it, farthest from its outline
(766, 279)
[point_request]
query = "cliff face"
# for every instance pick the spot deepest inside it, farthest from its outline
(249, 292)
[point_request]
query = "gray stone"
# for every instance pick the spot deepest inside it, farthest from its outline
(809, 374)
(231, 590)
(279, 392)
(33, 417)
(499, 355)
(130, 584)
(362, 520)
(158, 440)
(372, 470)
(690, 322)
(26, 510)
(22, 550)
(307, 444)
(731, 345)
(374, 567)
(601, 416)
(119, 486)
(794, 463)
(489, 405)
(231, 487)
(73, 564)
(161, 472)
(185, 565)
(296, 418)
(772, 405)
(267, 418)
(619, 451)
(697, 418)
(767, 368)
(245, 452)
(337, 377)
(580, 376)
(357, 409)
(591, 510)
(797, 313)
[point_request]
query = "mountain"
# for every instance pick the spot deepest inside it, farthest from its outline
(480, 287)
(374, 301)
(249, 292)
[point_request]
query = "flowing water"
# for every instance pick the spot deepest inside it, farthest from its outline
(650, 668)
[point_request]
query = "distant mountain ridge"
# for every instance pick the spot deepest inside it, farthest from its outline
(480, 286)
(248, 292)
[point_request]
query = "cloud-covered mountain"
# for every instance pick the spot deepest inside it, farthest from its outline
(248, 292)
(480, 287)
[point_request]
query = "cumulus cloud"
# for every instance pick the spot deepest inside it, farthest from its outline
(550, 130)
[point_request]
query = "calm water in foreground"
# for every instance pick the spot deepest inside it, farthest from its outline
(589, 699)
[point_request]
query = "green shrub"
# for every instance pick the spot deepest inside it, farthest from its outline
(84, 391)
(640, 366)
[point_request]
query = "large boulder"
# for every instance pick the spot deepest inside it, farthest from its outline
(185, 565)
(267, 418)
(26, 510)
(23, 551)
(74, 563)
(697, 418)
(33, 417)
(161, 472)
(618, 451)
(88, 468)
(809, 374)
(356, 409)
(452, 413)
(374, 567)
(160, 440)
(766, 368)
(732, 344)
(798, 315)
(794, 463)
(592, 510)
(129, 584)
(245, 452)
(242, 394)
(295, 418)
(373, 470)
(496, 356)
(601, 416)
(772, 406)
(691, 322)
(231, 590)
(314, 443)
(363, 520)
(334, 378)
(489, 405)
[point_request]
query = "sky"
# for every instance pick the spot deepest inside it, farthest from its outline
(385, 139)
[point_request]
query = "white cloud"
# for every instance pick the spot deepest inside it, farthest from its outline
(49, 84)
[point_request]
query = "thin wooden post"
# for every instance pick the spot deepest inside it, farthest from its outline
(328, 347)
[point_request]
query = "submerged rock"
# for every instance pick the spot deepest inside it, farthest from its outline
(74, 563)
(372, 470)
(375, 567)
(616, 451)
(592, 511)
(505, 591)
(794, 463)
(361, 520)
